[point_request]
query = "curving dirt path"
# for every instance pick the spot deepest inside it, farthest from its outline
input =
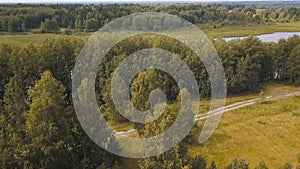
(225, 109)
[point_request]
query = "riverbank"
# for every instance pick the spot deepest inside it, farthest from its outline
(252, 30)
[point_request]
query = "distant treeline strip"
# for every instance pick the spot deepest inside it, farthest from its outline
(49, 18)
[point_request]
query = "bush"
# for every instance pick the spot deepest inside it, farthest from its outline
(286, 166)
(238, 163)
(262, 165)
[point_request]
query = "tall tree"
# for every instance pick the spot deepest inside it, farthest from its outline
(45, 123)
(5, 70)
(281, 57)
(24, 66)
(49, 26)
(91, 24)
(13, 114)
(294, 65)
(178, 156)
(58, 56)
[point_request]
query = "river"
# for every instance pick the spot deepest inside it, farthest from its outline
(273, 37)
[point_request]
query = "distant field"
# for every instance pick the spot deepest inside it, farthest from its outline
(252, 30)
(266, 131)
(23, 39)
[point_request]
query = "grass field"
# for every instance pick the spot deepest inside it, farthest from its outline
(23, 39)
(267, 131)
(252, 30)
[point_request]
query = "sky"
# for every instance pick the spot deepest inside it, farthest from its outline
(111, 1)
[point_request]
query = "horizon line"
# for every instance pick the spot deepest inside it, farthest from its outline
(133, 1)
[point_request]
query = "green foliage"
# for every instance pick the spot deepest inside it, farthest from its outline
(262, 165)
(159, 79)
(19, 18)
(23, 64)
(198, 163)
(58, 56)
(286, 166)
(49, 26)
(38, 126)
(284, 61)
(54, 137)
(247, 64)
(5, 70)
(14, 24)
(15, 104)
(45, 122)
(14, 107)
(177, 157)
(148, 81)
(213, 165)
(238, 163)
(91, 24)
(294, 65)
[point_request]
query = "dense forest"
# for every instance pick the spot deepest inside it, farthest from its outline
(38, 123)
(23, 18)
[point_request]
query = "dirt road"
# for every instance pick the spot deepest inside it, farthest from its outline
(225, 109)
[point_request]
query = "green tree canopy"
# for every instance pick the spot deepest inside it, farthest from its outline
(45, 122)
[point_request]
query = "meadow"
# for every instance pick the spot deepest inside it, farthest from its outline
(252, 30)
(266, 132)
(23, 39)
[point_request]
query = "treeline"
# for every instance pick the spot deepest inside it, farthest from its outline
(22, 18)
(38, 125)
(250, 62)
